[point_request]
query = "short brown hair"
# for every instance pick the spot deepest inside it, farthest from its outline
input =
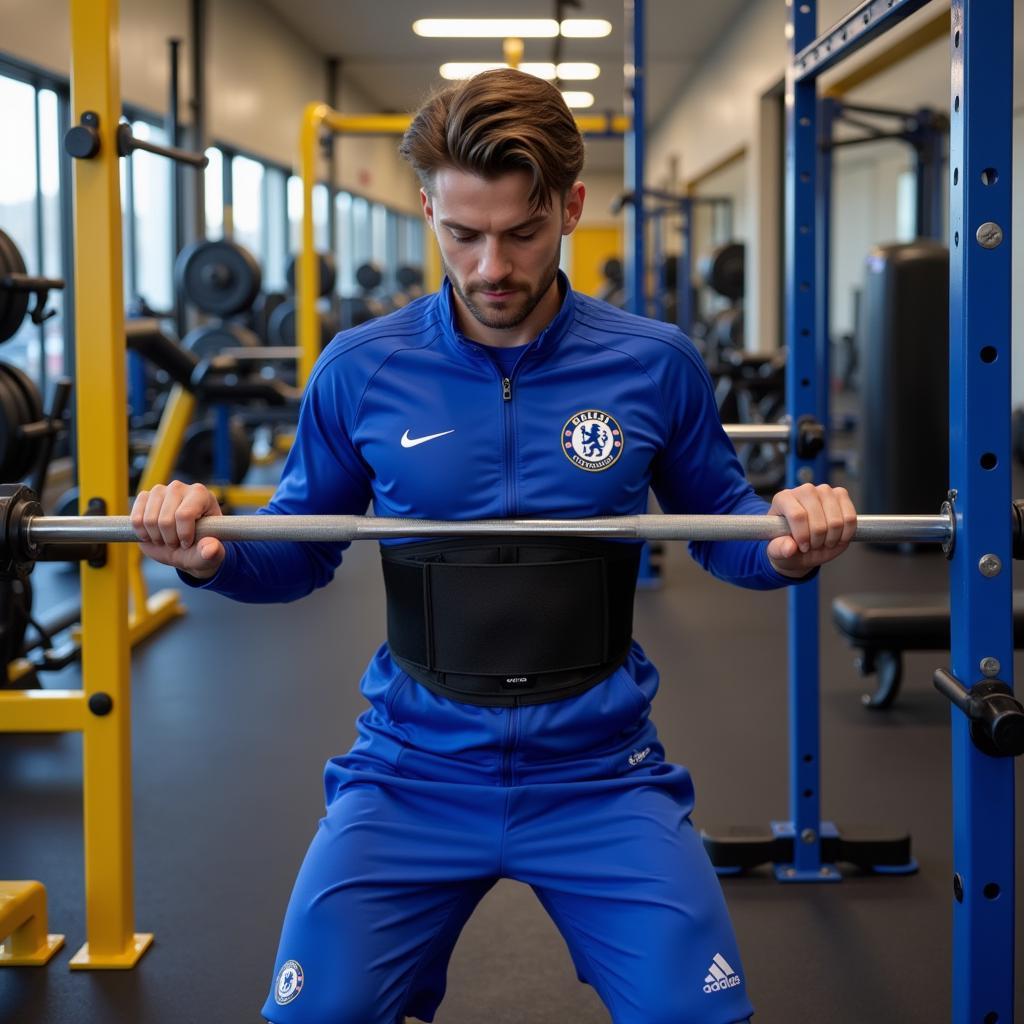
(495, 122)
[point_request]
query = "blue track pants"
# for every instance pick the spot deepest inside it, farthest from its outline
(437, 800)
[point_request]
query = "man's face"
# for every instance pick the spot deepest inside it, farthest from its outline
(500, 256)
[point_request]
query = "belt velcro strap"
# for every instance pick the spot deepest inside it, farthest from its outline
(544, 615)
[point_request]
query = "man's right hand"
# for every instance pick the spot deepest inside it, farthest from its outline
(164, 520)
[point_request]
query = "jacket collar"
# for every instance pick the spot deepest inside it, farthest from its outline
(545, 342)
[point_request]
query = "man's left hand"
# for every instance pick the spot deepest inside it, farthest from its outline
(822, 522)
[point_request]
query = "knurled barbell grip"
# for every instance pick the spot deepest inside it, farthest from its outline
(335, 529)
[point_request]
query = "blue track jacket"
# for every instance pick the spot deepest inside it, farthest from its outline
(409, 413)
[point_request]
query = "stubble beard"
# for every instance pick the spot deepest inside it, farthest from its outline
(497, 320)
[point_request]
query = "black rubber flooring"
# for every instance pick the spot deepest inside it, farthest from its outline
(236, 708)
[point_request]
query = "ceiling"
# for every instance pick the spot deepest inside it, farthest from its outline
(396, 69)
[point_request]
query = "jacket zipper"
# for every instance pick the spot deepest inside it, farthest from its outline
(510, 501)
(509, 423)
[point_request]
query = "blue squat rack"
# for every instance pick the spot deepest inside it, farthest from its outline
(979, 684)
(635, 247)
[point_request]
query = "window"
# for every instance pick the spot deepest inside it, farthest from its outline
(31, 214)
(410, 241)
(51, 230)
(151, 274)
(362, 234)
(147, 221)
(257, 204)
(247, 203)
(320, 225)
(344, 252)
(379, 221)
(275, 254)
(213, 190)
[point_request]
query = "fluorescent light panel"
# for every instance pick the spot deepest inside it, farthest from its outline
(570, 71)
(486, 28)
(567, 72)
(504, 28)
(578, 100)
(586, 28)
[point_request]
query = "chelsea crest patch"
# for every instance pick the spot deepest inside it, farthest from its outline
(289, 983)
(592, 440)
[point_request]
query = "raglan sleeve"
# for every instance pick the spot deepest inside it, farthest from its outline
(699, 473)
(323, 475)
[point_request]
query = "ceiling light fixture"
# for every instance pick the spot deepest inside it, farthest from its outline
(503, 28)
(578, 100)
(567, 72)
(578, 72)
(586, 28)
(486, 28)
(453, 71)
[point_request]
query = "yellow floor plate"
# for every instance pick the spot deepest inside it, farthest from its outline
(84, 961)
(53, 943)
(163, 607)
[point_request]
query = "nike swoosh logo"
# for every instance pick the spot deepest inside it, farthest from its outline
(411, 442)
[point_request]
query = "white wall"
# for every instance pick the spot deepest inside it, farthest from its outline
(718, 112)
(866, 178)
(39, 32)
(602, 189)
(372, 166)
(259, 77)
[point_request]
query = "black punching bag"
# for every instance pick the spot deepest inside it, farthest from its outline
(904, 351)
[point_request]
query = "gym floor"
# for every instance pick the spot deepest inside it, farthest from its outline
(236, 708)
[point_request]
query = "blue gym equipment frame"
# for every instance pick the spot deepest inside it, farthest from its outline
(666, 204)
(980, 180)
(980, 161)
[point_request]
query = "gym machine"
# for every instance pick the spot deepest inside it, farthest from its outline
(997, 718)
(673, 298)
(981, 603)
(97, 142)
(28, 435)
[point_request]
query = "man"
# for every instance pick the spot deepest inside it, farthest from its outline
(508, 733)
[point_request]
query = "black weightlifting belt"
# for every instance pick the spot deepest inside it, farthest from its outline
(485, 621)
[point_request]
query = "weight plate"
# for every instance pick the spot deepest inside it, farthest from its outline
(211, 339)
(11, 411)
(328, 273)
(281, 326)
(724, 270)
(196, 462)
(18, 456)
(220, 277)
(263, 309)
(67, 503)
(27, 387)
(369, 277)
(409, 277)
(32, 403)
(13, 304)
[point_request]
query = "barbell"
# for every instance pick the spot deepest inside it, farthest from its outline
(38, 530)
(25, 531)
